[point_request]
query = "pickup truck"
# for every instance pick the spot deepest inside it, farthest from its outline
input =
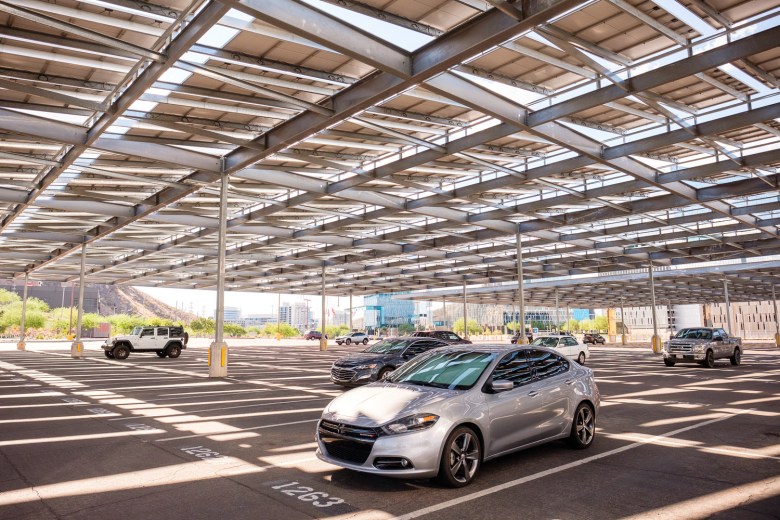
(702, 345)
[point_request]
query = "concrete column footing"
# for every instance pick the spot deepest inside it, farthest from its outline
(218, 359)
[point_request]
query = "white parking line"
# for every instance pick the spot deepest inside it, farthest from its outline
(512, 483)
(240, 430)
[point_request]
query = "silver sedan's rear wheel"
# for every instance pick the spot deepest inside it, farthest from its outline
(461, 458)
(583, 428)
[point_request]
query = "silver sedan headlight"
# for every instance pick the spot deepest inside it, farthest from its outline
(420, 421)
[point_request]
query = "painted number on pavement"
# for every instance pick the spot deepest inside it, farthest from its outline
(201, 452)
(307, 494)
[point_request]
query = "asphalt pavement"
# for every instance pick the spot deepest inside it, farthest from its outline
(150, 438)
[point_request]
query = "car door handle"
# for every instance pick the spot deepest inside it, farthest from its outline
(569, 381)
(533, 393)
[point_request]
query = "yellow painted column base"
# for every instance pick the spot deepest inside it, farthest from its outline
(657, 343)
(323, 343)
(278, 336)
(77, 349)
(218, 359)
(21, 345)
(777, 339)
(624, 339)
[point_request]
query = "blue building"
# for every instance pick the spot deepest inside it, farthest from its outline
(382, 310)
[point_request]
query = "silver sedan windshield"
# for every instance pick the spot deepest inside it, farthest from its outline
(453, 370)
(546, 342)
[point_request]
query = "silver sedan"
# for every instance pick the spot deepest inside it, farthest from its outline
(444, 413)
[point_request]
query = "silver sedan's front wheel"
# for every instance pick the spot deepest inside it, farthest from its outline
(583, 428)
(461, 458)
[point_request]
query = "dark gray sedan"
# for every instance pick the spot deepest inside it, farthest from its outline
(453, 408)
(377, 360)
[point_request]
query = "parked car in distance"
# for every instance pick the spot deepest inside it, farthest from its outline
(566, 345)
(702, 345)
(165, 341)
(379, 359)
(594, 338)
(352, 337)
(446, 335)
(314, 334)
(449, 410)
(528, 334)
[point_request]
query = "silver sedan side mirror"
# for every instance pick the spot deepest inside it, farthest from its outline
(501, 385)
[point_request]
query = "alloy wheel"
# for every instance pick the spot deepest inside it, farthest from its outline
(586, 425)
(464, 457)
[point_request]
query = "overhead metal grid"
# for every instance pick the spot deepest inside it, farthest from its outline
(400, 144)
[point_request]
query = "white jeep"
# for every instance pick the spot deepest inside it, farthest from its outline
(165, 341)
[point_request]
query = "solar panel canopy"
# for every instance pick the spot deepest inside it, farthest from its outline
(401, 145)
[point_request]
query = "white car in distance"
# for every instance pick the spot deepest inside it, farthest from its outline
(566, 345)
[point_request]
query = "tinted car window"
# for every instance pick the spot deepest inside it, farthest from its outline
(547, 364)
(514, 367)
(570, 342)
(147, 332)
(387, 346)
(162, 331)
(694, 334)
(450, 336)
(422, 346)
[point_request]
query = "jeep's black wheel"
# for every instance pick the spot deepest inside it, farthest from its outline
(174, 351)
(160, 353)
(736, 359)
(186, 337)
(108, 354)
(120, 352)
(669, 362)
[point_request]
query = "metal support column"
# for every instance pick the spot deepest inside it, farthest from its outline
(278, 316)
(465, 315)
(77, 347)
(350, 310)
(557, 313)
(777, 318)
(656, 340)
(522, 339)
(623, 338)
(323, 338)
(218, 350)
(728, 305)
(22, 330)
(444, 311)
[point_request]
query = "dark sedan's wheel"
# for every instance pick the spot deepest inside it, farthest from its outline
(709, 360)
(669, 362)
(583, 428)
(174, 351)
(365, 341)
(736, 359)
(581, 358)
(383, 373)
(461, 458)
(120, 352)
(108, 354)
(161, 353)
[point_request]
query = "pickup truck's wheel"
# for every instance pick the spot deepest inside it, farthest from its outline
(348, 342)
(160, 353)
(108, 354)
(736, 359)
(709, 360)
(120, 352)
(669, 362)
(174, 351)
(365, 341)
(581, 358)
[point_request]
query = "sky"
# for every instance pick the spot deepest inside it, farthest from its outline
(203, 302)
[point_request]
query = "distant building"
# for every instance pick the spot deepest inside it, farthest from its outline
(230, 315)
(382, 310)
(256, 320)
(299, 316)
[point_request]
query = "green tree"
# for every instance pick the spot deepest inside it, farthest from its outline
(7, 297)
(203, 326)
(586, 325)
(601, 323)
(571, 325)
(405, 328)
(233, 329)
(285, 329)
(474, 327)
(334, 330)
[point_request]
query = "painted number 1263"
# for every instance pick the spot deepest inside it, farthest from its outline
(307, 494)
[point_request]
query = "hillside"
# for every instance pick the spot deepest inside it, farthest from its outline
(130, 300)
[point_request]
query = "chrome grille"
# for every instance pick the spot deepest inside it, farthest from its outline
(341, 374)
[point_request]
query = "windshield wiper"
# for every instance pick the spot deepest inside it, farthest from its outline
(426, 383)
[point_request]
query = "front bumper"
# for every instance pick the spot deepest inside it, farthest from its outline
(422, 450)
(682, 356)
